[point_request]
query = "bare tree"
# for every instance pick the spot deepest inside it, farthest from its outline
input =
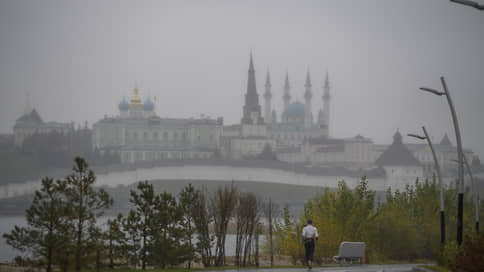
(202, 221)
(271, 210)
(222, 209)
(247, 217)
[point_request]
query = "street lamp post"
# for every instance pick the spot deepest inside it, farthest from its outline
(460, 179)
(474, 192)
(439, 176)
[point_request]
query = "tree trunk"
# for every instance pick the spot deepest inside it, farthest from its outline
(49, 260)
(143, 256)
(78, 246)
(256, 255)
(111, 257)
(98, 260)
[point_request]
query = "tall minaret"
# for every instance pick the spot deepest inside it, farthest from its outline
(326, 102)
(308, 117)
(267, 100)
(252, 114)
(286, 98)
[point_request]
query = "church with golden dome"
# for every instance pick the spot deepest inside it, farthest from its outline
(138, 134)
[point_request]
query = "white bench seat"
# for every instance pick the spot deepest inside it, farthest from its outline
(350, 251)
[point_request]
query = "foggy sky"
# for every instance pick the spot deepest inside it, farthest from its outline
(77, 59)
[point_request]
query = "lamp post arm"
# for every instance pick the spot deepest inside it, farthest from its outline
(469, 3)
(416, 136)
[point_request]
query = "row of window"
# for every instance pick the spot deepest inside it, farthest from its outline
(133, 156)
(157, 136)
(289, 136)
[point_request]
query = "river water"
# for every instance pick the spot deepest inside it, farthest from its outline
(7, 253)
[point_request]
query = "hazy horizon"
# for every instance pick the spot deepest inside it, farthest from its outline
(78, 59)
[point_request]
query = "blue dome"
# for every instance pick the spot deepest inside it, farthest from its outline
(148, 105)
(294, 110)
(123, 105)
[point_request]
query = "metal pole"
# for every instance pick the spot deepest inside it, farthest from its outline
(437, 169)
(475, 194)
(460, 179)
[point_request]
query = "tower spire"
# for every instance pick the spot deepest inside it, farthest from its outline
(252, 114)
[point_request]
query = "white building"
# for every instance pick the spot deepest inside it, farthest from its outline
(31, 123)
(138, 134)
(401, 167)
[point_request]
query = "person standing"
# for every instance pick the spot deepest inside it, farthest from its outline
(310, 236)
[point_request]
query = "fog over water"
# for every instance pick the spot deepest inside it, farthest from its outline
(77, 59)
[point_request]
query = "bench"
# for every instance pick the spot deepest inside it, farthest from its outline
(350, 251)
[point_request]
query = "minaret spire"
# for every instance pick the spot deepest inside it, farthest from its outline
(326, 102)
(287, 89)
(251, 65)
(308, 80)
(308, 117)
(267, 99)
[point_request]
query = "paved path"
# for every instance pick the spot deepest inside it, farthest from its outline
(362, 268)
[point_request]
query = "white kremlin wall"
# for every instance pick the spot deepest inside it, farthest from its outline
(202, 173)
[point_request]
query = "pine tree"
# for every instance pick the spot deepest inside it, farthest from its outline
(86, 205)
(188, 202)
(45, 233)
(144, 208)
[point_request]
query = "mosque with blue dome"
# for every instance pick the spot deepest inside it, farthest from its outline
(297, 123)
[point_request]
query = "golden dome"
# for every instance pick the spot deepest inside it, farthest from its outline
(135, 100)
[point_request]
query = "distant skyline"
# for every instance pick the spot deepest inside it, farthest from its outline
(77, 59)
